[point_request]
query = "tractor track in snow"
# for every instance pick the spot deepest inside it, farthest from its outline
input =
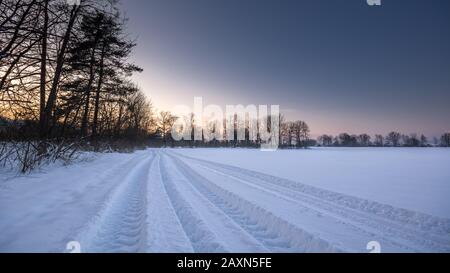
(208, 228)
(401, 231)
(120, 226)
(274, 233)
(74, 204)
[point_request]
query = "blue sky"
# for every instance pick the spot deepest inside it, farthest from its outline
(340, 65)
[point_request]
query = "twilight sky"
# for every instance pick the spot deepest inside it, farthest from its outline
(340, 65)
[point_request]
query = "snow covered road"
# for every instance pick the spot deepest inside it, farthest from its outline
(159, 200)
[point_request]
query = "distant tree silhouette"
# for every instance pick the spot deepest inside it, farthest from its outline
(325, 140)
(364, 140)
(348, 140)
(393, 138)
(379, 141)
(445, 140)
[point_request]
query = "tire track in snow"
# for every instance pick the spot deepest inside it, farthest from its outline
(76, 197)
(276, 234)
(165, 232)
(396, 233)
(208, 228)
(319, 211)
(406, 235)
(120, 226)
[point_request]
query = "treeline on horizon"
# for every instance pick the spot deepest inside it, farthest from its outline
(296, 134)
(392, 139)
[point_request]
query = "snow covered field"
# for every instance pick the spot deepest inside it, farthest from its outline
(412, 178)
(237, 200)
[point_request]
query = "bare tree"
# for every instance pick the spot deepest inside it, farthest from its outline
(423, 141)
(165, 123)
(325, 140)
(140, 112)
(393, 138)
(347, 140)
(379, 141)
(302, 133)
(364, 140)
(445, 140)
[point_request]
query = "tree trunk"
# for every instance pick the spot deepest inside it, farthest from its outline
(51, 101)
(84, 122)
(97, 93)
(119, 120)
(43, 71)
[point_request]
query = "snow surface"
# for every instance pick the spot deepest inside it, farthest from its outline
(233, 200)
(410, 178)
